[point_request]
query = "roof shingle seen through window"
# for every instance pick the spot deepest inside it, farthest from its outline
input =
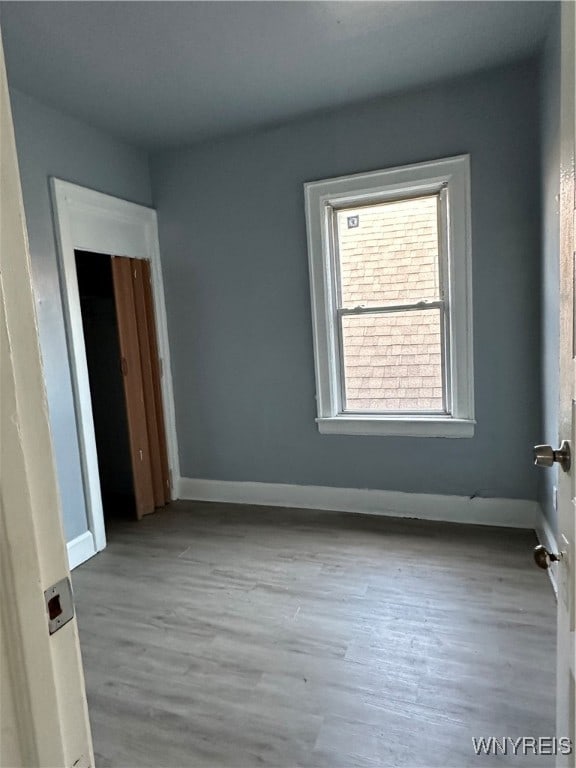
(392, 361)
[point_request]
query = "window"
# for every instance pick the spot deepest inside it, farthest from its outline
(390, 271)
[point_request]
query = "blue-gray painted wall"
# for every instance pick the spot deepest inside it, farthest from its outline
(233, 241)
(52, 144)
(550, 286)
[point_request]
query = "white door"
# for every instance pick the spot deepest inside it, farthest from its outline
(566, 687)
(563, 561)
(43, 709)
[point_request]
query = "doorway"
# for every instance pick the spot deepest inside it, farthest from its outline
(89, 224)
(100, 326)
(124, 375)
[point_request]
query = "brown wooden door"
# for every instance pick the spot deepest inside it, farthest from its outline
(140, 367)
(151, 375)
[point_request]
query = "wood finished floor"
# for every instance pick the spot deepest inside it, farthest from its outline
(215, 635)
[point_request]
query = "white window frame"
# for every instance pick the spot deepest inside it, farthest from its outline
(450, 178)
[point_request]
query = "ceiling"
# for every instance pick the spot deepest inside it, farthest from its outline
(171, 73)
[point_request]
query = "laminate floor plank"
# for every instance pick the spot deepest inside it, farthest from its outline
(224, 636)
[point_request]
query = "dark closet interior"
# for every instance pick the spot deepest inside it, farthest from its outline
(100, 326)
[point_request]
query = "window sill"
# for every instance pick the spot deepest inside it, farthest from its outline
(401, 427)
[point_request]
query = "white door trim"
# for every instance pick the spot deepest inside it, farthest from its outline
(92, 221)
(81, 548)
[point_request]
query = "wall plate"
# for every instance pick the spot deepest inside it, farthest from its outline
(59, 604)
(565, 576)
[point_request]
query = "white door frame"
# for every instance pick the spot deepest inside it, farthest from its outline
(43, 707)
(91, 221)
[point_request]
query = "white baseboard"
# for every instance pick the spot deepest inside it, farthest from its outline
(513, 513)
(546, 536)
(80, 549)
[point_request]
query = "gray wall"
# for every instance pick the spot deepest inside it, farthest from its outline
(550, 173)
(233, 241)
(51, 144)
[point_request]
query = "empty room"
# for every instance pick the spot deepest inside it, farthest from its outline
(287, 384)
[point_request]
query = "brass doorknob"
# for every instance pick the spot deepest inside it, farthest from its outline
(546, 456)
(543, 558)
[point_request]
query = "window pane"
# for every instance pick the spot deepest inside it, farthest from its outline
(393, 361)
(389, 253)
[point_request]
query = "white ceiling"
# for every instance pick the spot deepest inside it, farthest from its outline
(166, 73)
